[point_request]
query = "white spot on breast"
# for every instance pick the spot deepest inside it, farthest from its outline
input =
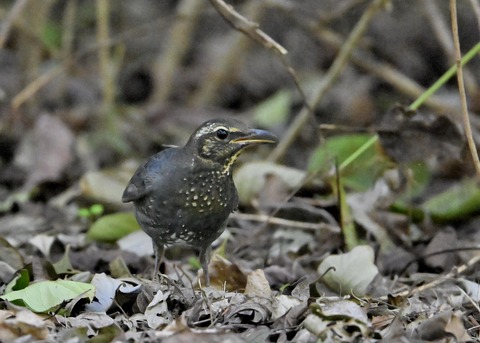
(195, 197)
(194, 204)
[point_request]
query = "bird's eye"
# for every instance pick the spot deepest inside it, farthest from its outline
(222, 133)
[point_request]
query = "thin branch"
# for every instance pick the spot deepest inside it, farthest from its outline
(246, 26)
(180, 37)
(444, 78)
(476, 9)
(15, 11)
(438, 281)
(39, 82)
(104, 56)
(263, 218)
(252, 30)
(461, 87)
(330, 77)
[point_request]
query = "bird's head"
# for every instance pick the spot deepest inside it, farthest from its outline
(221, 141)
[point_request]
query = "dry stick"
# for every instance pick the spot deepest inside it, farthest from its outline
(451, 275)
(384, 71)
(461, 87)
(263, 218)
(476, 8)
(188, 12)
(106, 74)
(15, 11)
(228, 64)
(252, 30)
(68, 29)
(330, 77)
(441, 32)
(440, 29)
(246, 26)
(34, 86)
(49, 75)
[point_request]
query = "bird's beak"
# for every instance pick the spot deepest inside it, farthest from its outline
(256, 136)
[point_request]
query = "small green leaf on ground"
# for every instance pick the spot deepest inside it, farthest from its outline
(359, 175)
(456, 203)
(46, 295)
(112, 227)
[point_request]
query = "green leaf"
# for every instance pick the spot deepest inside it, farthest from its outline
(20, 281)
(46, 295)
(52, 36)
(274, 110)
(97, 209)
(456, 203)
(362, 172)
(64, 266)
(112, 227)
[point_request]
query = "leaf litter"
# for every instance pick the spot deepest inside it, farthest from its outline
(383, 247)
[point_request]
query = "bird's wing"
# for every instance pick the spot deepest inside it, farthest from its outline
(148, 175)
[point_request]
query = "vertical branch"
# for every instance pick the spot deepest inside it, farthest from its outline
(228, 64)
(177, 46)
(15, 11)
(68, 30)
(461, 87)
(106, 76)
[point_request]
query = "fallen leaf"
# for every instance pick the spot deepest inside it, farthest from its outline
(112, 227)
(46, 295)
(349, 273)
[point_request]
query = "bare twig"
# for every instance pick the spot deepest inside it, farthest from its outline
(329, 79)
(227, 65)
(384, 71)
(246, 26)
(252, 30)
(35, 85)
(104, 60)
(68, 29)
(441, 32)
(15, 11)
(461, 87)
(451, 275)
(439, 27)
(263, 218)
(476, 9)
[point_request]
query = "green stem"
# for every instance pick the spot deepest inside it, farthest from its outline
(357, 153)
(445, 77)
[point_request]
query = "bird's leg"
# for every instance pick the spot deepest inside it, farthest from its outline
(159, 251)
(205, 255)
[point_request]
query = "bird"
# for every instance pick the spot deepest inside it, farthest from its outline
(184, 195)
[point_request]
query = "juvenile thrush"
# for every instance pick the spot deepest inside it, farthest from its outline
(185, 195)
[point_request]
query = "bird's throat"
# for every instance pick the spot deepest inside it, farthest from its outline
(230, 161)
